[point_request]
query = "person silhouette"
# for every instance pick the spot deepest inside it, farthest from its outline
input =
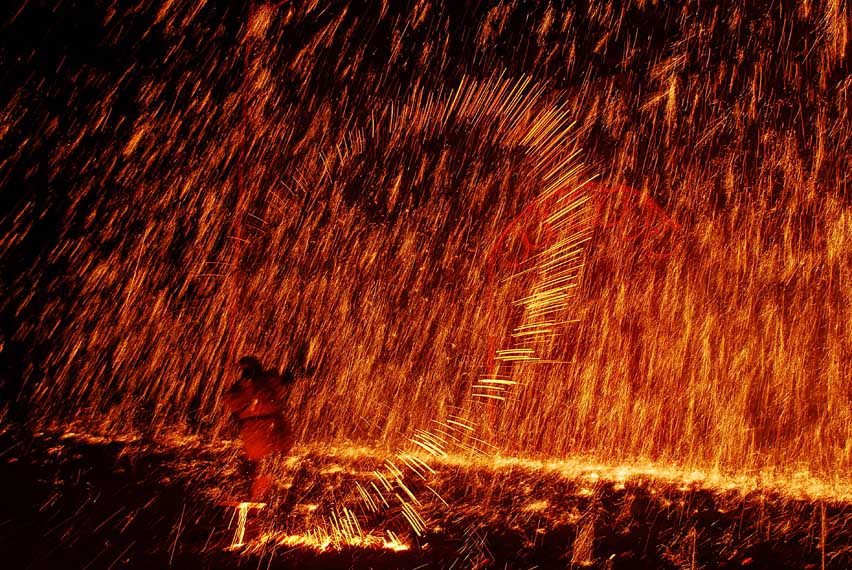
(256, 403)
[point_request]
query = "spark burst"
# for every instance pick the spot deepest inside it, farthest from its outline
(410, 211)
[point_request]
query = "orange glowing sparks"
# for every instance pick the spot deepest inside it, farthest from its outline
(626, 239)
(322, 541)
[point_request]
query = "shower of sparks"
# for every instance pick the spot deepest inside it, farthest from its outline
(617, 232)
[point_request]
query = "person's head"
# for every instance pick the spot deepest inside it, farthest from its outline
(250, 366)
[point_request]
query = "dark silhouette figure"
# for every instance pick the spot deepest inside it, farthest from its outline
(256, 402)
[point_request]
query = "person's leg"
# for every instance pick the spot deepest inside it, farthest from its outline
(253, 452)
(252, 469)
(267, 441)
(261, 482)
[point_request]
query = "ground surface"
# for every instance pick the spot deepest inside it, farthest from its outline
(82, 502)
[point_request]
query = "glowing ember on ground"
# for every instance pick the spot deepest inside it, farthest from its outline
(151, 503)
(322, 541)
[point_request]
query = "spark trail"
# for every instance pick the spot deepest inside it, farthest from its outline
(387, 150)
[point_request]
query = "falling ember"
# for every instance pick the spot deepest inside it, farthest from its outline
(553, 266)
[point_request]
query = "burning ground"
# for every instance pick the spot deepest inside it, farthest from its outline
(78, 501)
